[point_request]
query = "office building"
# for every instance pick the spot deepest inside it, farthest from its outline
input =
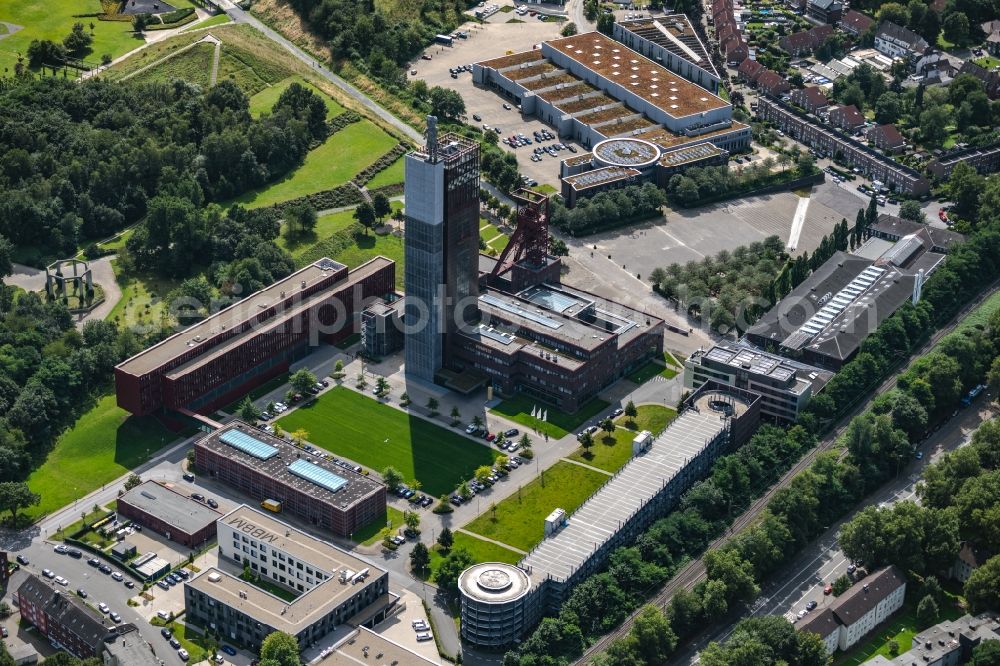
(363, 645)
(501, 602)
(382, 327)
(824, 320)
(329, 586)
(442, 248)
(831, 141)
(785, 386)
(165, 511)
(590, 87)
(220, 358)
(66, 621)
(948, 643)
(304, 483)
(671, 41)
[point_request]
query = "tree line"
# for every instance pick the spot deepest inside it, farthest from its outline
(608, 209)
(877, 443)
(700, 184)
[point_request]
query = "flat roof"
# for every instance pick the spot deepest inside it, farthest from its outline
(681, 156)
(675, 33)
(601, 176)
(171, 507)
(642, 478)
(649, 80)
(289, 616)
(364, 646)
(234, 315)
(276, 466)
(666, 139)
(755, 361)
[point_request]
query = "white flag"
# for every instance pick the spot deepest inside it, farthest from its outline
(546, 417)
(532, 411)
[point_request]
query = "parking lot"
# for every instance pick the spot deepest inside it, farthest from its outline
(492, 40)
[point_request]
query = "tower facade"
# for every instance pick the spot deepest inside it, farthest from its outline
(442, 248)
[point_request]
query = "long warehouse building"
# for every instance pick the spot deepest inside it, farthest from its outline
(500, 602)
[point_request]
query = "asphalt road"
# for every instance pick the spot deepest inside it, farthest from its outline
(822, 561)
(240, 16)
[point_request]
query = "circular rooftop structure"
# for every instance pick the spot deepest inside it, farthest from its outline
(493, 582)
(627, 152)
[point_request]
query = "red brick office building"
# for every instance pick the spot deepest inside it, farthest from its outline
(215, 361)
(170, 513)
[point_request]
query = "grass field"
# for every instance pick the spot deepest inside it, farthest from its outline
(389, 176)
(194, 65)
(266, 98)
(650, 370)
(558, 425)
(105, 443)
(520, 520)
(981, 315)
(610, 452)
(136, 307)
(326, 226)
(376, 435)
(481, 551)
(366, 247)
(333, 163)
(369, 534)
(53, 20)
(901, 629)
(218, 19)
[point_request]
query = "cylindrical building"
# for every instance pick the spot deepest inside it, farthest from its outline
(498, 604)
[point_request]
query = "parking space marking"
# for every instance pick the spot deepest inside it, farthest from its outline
(797, 221)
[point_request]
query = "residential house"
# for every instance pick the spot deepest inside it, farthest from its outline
(734, 49)
(992, 31)
(806, 41)
(848, 118)
(984, 160)
(62, 618)
(825, 624)
(855, 23)
(969, 559)
(887, 137)
(948, 643)
(827, 11)
(749, 70)
(773, 84)
(811, 98)
(896, 41)
(868, 603)
(990, 79)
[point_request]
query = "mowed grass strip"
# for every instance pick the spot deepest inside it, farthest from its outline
(558, 424)
(266, 98)
(481, 551)
(193, 65)
(611, 451)
(105, 443)
(376, 436)
(370, 533)
(519, 520)
(391, 175)
(333, 163)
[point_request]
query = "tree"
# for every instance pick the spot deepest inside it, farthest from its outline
(894, 12)
(380, 202)
(381, 386)
(392, 478)
(888, 108)
(300, 218)
(933, 126)
(446, 539)
(302, 380)
(412, 520)
(365, 215)
(77, 41)
(451, 568)
(432, 405)
(446, 103)
(630, 410)
(279, 649)
(525, 441)
(927, 612)
(248, 411)
(965, 186)
(464, 491)
(16, 495)
(911, 210)
(987, 653)
(841, 585)
(586, 441)
(568, 30)
(483, 472)
(300, 435)
(419, 558)
(955, 28)
(606, 23)
(456, 416)
(654, 639)
(132, 481)
(140, 21)
(608, 426)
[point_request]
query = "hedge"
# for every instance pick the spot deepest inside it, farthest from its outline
(190, 18)
(382, 163)
(338, 197)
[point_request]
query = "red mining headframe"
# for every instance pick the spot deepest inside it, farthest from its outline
(530, 241)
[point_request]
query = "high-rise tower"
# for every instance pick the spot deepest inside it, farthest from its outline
(442, 247)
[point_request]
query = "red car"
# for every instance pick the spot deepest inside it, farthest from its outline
(828, 589)
(490, 437)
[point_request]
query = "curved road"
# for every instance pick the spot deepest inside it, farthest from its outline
(240, 16)
(694, 572)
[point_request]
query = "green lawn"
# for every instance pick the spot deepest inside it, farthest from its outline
(520, 518)
(192, 640)
(218, 19)
(105, 443)
(369, 534)
(53, 20)
(390, 176)
(492, 236)
(193, 65)
(557, 425)
(981, 315)
(326, 226)
(333, 163)
(263, 389)
(901, 629)
(376, 436)
(269, 587)
(650, 370)
(367, 246)
(266, 98)
(987, 62)
(137, 306)
(610, 452)
(481, 551)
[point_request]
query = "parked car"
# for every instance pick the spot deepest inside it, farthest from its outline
(61, 549)
(82, 593)
(103, 607)
(129, 584)
(198, 497)
(117, 576)
(21, 559)
(162, 585)
(618, 412)
(174, 643)
(828, 589)
(420, 625)
(94, 562)
(471, 428)
(212, 503)
(513, 432)
(115, 617)
(62, 581)
(183, 654)
(424, 636)
(189, 477)
(811, 605)
(229, 649)
(166, 633)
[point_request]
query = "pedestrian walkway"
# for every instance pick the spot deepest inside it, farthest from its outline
(493, 541)
(590, 467)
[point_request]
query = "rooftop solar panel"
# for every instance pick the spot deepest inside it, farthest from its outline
(316, 474)
(247, 444)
